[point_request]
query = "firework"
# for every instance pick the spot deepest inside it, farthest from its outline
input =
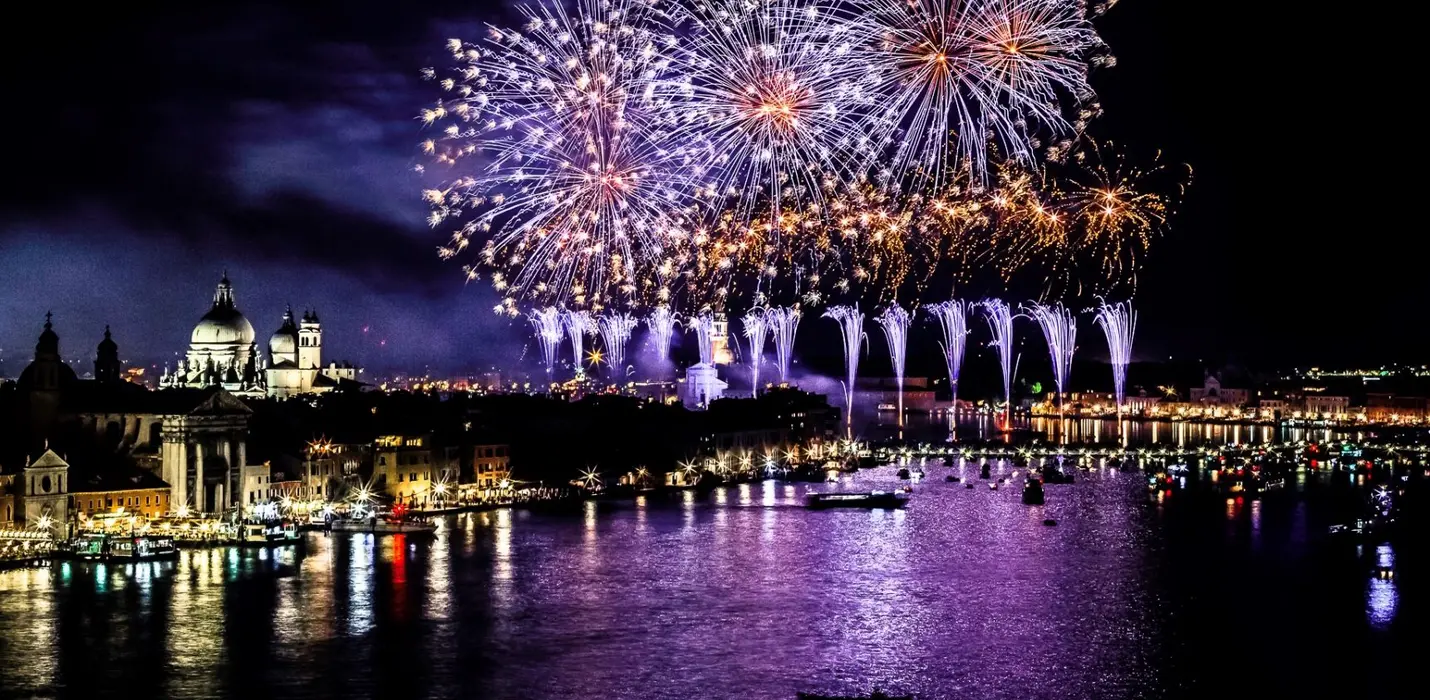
(558, 166)
(704, 326)
(661, 323)
(578, 325)
(851, 326)
(1060, 332)
(784, 321)
(1000, 324)
(770, 98)
(547, 325)
(1118, 207)
(616, 331)
(1119, 324)
(952, 317)
(895, 321)
(951, 73)
(756, 330)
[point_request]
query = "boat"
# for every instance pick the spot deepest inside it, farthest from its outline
(876, 695)
(397, 521)
(385, 526)
(985, 472)
(872, 499)
(273, 532)
(1033, 492)
(951, 479)
(98, 546)
(904, 473)
(1054, 475)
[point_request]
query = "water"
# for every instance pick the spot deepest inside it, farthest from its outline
(744, 594)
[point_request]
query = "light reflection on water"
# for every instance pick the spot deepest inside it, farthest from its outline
(963, 594)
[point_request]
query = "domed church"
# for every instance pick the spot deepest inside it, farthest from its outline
(222, 352)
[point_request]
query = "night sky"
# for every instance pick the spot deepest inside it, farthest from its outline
(154, 145)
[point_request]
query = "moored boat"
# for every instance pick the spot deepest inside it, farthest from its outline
(99, 546)
(273, 532)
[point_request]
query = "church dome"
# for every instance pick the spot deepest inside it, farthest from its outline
(223, 323)
(284, 341)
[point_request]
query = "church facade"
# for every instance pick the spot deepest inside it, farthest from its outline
(223, 352)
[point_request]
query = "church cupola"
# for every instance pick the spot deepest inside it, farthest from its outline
(283, 345)
(106, 360)
(49, 345)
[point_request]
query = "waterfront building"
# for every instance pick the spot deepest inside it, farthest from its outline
(36, 494)
(1327, 405)
(328, 464)
(1212, 392)
(257, 484)
(138, 492)
(406, 468)
(491, 465)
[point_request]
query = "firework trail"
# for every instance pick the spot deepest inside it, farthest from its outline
(1000, 324)
(784, 321)
(616, 331)
(896, 321)
(547, 325)
(578, 325)
(994, 74)
(952, 317)
(704, 326)
(851, 325)
(756, 330)
(1119, 324)
(661, 323)
(1060, 332)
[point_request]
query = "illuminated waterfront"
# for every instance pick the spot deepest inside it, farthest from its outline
(741, 594)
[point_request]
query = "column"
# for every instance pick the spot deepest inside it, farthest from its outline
(179, 487)
(225, 450)
(199, 476)
(236, 492)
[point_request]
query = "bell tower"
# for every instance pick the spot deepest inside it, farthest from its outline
(310, 342)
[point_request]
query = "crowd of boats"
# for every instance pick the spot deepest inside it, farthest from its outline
(124, 539)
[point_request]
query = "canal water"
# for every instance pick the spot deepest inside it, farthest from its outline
(745, 594)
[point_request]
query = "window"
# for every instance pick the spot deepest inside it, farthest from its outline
(399, 477)
(413, 477)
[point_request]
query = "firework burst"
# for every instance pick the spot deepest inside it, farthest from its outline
(562, 172)
(959, 77)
